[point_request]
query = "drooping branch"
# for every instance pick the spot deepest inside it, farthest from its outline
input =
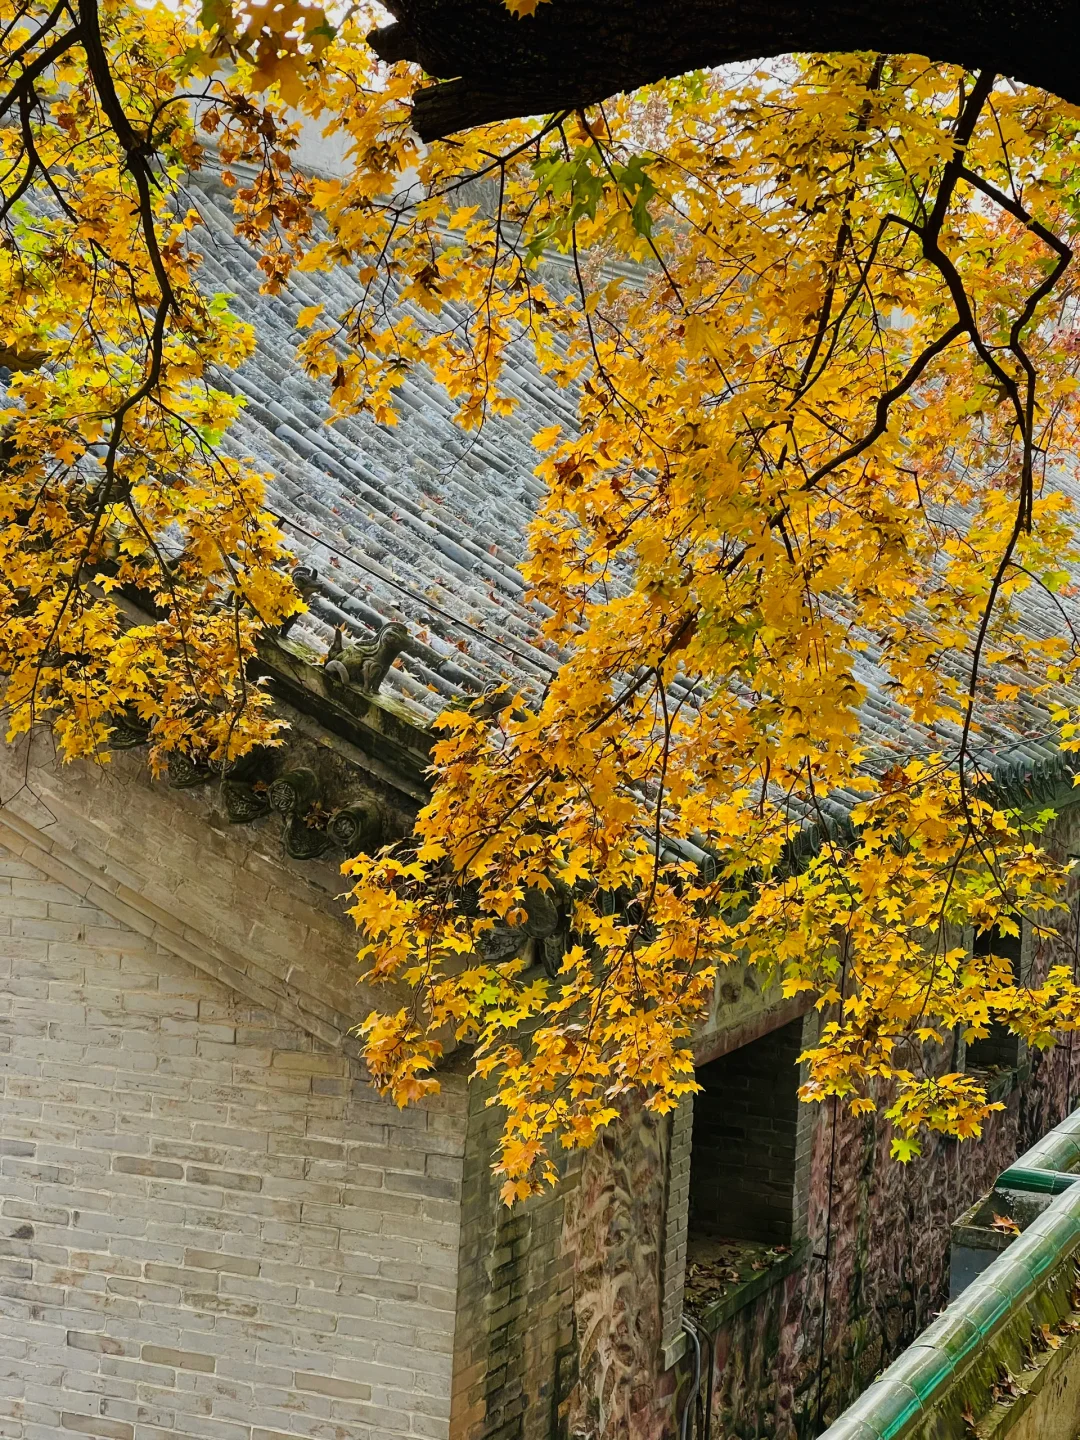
(492, 66)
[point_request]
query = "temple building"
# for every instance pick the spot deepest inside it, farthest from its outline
(213, 1228)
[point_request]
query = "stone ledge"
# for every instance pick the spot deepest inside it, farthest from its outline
(736, 1299)
(746, 1291)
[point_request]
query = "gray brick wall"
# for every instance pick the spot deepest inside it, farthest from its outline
(209, 1228)
(168, 864)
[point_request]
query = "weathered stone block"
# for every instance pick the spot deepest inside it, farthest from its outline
(97, 1425)
(136, 1165)
(178, 1359)
(331, 1385)
(226, 1179)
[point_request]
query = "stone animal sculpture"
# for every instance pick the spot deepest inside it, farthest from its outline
(366, 663)
(306, 580)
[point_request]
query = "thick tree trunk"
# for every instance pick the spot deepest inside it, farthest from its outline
(575, 52)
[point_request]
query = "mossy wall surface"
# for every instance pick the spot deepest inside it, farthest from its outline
(998, 1363)
(886, 1227)
(563, 1330)
(777, 1375)
(1054, 1409)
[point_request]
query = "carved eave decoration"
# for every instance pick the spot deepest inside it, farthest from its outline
(352, 771)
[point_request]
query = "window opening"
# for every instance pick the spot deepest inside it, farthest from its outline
(1000, 1050)
(743, 1166)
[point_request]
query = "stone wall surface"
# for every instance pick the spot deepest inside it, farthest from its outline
(888, 1235)
(560, 1334)
(559, 1312)
(566, 1302)
(887, 1229)
(615, 1230)
(210, 1228)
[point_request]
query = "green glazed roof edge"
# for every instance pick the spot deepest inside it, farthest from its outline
(1037, 1252)
(1059, 1149)
(901, 1420)
(999, 1290)
(1043, 1182)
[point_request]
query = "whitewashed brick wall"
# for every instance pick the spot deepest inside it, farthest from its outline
(209, 1230)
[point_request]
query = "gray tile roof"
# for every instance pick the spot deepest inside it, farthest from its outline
(419, 522)
(424, 523)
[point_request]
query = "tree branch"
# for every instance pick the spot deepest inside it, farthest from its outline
(572, 53)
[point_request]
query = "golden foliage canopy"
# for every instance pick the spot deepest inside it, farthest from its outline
(820, 324)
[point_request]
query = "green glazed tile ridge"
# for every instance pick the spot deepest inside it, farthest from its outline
(1059, 1149)
(1026, 1177)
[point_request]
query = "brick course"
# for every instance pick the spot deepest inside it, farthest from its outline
(167, 864)
(514, 1304)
